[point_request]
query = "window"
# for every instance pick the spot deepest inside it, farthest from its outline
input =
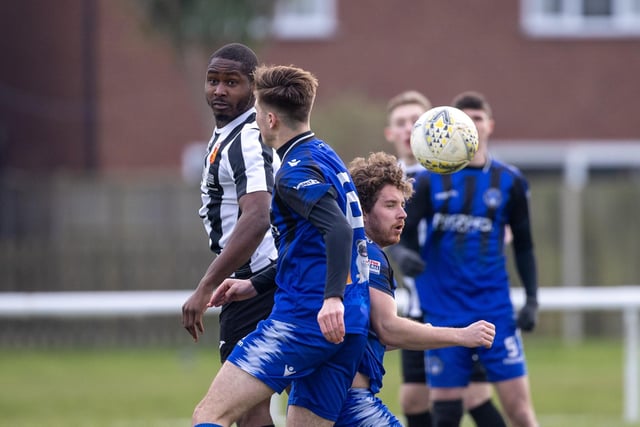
(581, 18)
(304, 19)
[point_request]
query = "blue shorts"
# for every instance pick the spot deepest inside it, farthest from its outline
(363, 409)
(453, 366)
(320, 372)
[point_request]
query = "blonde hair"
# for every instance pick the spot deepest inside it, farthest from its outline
(408, 97)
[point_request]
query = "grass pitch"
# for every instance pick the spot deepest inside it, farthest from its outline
(577, 385)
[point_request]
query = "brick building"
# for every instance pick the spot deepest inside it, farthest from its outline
(84, 87)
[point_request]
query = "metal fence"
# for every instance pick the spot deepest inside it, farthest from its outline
(80, 233)
(142, 232)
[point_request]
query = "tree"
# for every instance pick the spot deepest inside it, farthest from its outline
(198, 27)
(207, 23)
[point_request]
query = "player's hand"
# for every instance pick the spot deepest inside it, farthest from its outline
(331, 320)
(232, 290)
(479, 334)
(528, 315)
(409, 261)
(192, 312)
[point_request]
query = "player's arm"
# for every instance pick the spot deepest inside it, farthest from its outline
(265, 280)
(317, 203)
(337, 233)
(525, 261)
(324, 213)
(247, 234)
(239, 290)
(253, 176)
(252, 169)
(243, 241)
(400, 332)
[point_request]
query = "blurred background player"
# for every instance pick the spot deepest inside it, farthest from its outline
(466, 277)
(402, 112)
(383, 189)
(316, 334)
(237, 182)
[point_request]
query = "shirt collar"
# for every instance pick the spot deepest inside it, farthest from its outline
(284, 149)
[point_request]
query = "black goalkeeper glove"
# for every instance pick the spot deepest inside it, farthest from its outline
(528, 315)
(409, 261)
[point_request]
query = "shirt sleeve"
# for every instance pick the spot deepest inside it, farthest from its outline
(519, 219)
(416, 209)
(301, 188)
(380, 272)
(520, 224)
(337, 233)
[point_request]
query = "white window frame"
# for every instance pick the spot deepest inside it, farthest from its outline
(571, 22)
(316, 19)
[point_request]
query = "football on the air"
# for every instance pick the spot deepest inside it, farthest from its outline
(444, 139)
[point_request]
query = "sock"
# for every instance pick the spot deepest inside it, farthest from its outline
(419, 420)
(487, 415)
(447, 413)
(207, 425)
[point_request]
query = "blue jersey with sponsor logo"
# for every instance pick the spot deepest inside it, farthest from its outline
(380, 278)
(466, 213)
(310, 169)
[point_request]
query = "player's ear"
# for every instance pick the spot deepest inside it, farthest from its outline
(492, 125)
(387, 134)
(273, 119)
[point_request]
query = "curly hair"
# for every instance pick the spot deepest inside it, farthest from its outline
(371, 174)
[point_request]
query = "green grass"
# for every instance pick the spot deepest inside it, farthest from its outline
(102, 388)
(571, 385)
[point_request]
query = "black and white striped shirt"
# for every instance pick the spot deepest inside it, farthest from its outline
(236, 163)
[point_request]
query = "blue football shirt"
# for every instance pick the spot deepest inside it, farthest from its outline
(466, 213)
(380, 278)
(310, 169)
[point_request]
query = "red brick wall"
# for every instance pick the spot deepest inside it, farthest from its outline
(150, 104)
(538, 88)
(40, 86)
(147, 105)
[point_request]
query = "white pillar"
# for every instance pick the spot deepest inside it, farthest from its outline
(576, 170)
(631, 380)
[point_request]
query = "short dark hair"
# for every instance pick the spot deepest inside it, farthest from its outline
(371, 174)
(288, 89)
(239, 53)
(473, 101)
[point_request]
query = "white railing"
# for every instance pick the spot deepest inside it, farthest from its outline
(576, 159)
(625, 299)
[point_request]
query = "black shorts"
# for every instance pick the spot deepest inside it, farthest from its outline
(238, 319)
(478, 373)
(413, 364)
(413, 367)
